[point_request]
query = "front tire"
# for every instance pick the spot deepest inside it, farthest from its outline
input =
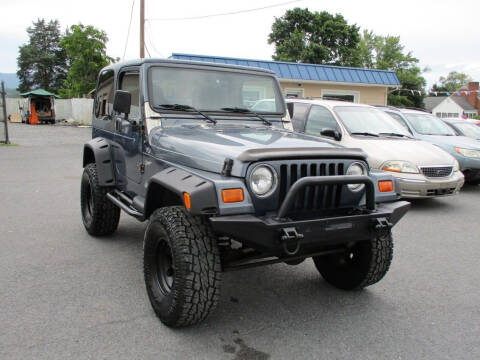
(362, 265)
(181, 267)
(100, 216)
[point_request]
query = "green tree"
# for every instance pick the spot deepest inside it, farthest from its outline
(454, 81)
(316, 38)
(366, 49)
(412, 81)
(42, 62)
(85, 47)
(387, 53)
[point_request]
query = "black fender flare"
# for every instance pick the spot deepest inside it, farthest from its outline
(203, 196)
(99, 151)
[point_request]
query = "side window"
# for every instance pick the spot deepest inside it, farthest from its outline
(298, 113)
(399, 120)
(104, 94)
(319, 119)
(130, 81)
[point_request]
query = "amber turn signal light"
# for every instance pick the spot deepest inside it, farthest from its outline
(232, 195)
(385, 185)
(186, 200)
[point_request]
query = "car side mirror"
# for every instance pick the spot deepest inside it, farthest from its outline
(332, 134)
(122, 102)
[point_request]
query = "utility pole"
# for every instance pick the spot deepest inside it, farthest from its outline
(4, 105)
(142, 29)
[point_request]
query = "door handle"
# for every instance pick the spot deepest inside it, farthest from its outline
(118, 123)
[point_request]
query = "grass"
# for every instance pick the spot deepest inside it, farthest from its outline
(9, 144)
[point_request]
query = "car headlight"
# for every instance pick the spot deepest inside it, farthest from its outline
(400, 167)
(356, 169)
(456, 166)
(263, 180)
(468, 152)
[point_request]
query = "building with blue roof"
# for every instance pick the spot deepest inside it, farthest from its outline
(367, 86)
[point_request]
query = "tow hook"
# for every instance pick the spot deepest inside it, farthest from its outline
(382, 226)
(290, 236)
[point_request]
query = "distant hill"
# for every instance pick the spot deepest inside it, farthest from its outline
(11, 80)
(11, 83)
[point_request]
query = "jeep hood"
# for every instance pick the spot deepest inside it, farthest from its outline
(207, 147)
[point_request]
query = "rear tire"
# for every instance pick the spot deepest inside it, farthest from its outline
(100, 216)
(362, 265)
(181, 267)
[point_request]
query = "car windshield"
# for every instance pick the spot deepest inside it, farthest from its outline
(468, 129)
(365, 120)
(427, 124)
(213, 90)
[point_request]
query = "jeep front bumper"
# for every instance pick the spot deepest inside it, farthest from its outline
(279, 234)
(265, 233)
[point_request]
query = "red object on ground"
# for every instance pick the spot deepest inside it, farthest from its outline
(33, 115)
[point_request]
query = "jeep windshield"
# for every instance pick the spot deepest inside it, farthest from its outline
(427, 124)
(214, 91)
(364, 121)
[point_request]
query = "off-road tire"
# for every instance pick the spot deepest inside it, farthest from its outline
(181, 265)
(362, 265)
(100, 216)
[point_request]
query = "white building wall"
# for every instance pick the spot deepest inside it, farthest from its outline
(82, 110)
(13, 105)
(76, 110)
(63, 109)
(449, 108)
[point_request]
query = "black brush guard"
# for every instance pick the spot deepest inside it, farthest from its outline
(281, 235)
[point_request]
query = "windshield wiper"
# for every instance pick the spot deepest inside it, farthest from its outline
(187, 108)
(395, 134)
(246, 111)
(365, 134)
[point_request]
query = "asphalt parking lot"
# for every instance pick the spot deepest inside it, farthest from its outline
(66, 295)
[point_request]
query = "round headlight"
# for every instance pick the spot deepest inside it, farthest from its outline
(263, 180)
(356, 169)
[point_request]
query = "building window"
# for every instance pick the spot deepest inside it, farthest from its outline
(342, 95)
(294, 92)
(447, 115)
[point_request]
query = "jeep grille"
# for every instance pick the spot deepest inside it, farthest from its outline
(318, 198)
(312, 197)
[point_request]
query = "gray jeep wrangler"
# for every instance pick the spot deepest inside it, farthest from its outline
(206, 154)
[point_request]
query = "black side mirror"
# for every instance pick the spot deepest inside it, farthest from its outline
(122, 102)
(332, 134)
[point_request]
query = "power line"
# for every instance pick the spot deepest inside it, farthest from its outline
(150, 37)
(128, 32)
(227, 13)
(148, 52)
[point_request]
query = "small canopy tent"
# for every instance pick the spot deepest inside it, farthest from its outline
(40, 106)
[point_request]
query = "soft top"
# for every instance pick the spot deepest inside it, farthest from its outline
(151, 61)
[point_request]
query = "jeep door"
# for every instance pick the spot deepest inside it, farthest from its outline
(128, 133)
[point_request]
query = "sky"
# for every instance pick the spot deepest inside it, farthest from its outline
(443, 35)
